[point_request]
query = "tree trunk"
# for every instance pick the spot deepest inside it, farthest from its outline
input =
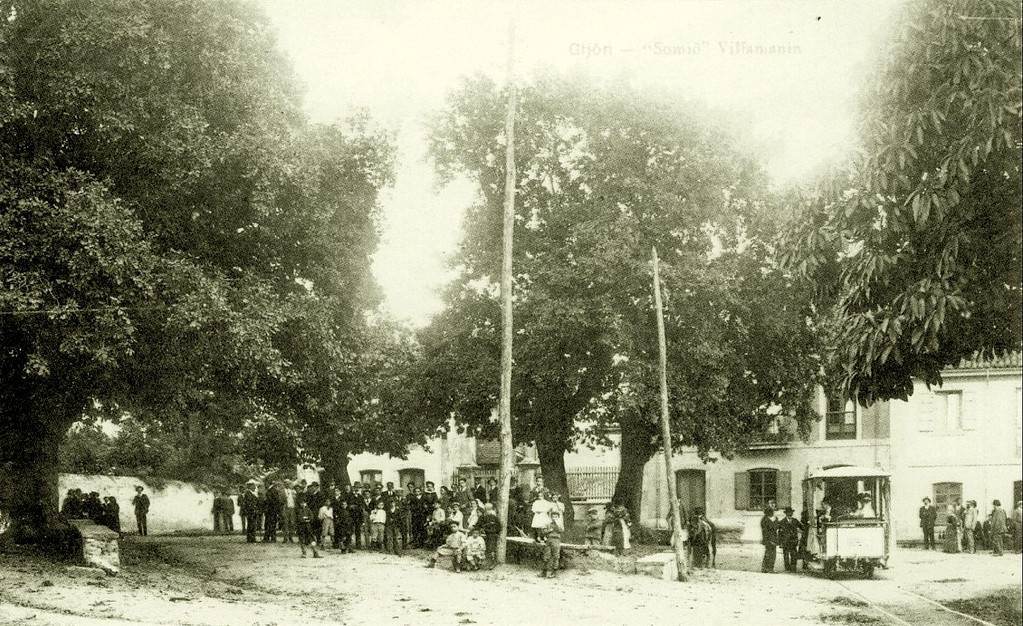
(636, 449)
(29, 447)
(552, 464)
(335, 469)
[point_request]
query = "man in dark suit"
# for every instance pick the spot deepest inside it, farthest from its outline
(769, 538)
(249, 504)
(272, 509)
(928, 517)
(141, 503)
(788, 537)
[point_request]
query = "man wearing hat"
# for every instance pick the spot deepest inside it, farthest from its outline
(769, 539)
(141, 502)
(788, 536)
(249, 504)
(928, 518)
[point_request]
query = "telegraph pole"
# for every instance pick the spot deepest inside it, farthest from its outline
(676, 513)
(507, 451)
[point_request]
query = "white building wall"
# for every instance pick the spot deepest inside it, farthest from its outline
(981, 451)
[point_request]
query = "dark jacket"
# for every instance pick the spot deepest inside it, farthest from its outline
(928, 516)
(768, 531)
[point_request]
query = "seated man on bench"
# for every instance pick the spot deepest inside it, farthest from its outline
(454, 546)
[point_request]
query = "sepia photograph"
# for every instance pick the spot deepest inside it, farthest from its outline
(449, 312)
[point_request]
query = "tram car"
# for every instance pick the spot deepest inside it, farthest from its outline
(847, 519)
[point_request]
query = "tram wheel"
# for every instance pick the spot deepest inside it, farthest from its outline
(868, 570)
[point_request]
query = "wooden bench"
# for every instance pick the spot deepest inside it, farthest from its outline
(517, 546)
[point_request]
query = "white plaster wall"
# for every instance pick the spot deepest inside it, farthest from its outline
(176, 506)
(983, 458)
(431, 462)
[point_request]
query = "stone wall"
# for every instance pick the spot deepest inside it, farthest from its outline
(174, 506)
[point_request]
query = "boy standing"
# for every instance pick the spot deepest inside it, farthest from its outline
(304, 526)
(377, 522)
(490, 524)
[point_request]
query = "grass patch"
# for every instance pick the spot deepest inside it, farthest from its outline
(1002, 607)
(949, 580)
(850, 618)
(844, 601)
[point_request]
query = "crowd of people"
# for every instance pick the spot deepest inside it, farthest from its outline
(966, 529)
(365, 515)
(80, 505)
(105, 511)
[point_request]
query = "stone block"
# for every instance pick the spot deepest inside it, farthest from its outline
(100, 546)
(661, 565)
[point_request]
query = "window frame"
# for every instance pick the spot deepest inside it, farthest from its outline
(376, 477)
(837, 426)
(758, 501)
(944, 494)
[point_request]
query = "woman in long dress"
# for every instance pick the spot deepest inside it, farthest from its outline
(951, 539)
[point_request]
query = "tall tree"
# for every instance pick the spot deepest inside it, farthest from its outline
(169, 221)
(606, 174)
(914, 244)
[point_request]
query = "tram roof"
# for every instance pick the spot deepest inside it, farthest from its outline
(847, 471)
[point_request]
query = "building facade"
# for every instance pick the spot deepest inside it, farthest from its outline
(961, 440)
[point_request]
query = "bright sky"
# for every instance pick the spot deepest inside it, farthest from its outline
(399, 59)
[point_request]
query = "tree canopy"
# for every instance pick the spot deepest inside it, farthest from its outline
(177, 242)
(607, 173)
(913, 246)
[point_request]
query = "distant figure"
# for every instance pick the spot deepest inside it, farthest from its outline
(490, 526)
(72, 507)
(999, 527)
(594, 527)
(141, 504)
(111, 514)
(788, 537)
(769, 539)
(249, 504)
(304, 526)
(970, 519)
(951, 537)
(928, 518)
(1017, 527)
(93, 507)
(703, 539)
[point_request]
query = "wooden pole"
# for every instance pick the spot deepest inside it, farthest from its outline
(507, 451)
(676, 513)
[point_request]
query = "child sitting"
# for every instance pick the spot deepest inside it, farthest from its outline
(475, 549)
(454, 546)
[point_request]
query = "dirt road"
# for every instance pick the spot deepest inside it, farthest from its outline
(222, 580)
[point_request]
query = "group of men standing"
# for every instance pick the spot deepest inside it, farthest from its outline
(964, 527)
(347, 509)
(784, 533)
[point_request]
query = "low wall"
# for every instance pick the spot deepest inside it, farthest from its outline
(175, 506)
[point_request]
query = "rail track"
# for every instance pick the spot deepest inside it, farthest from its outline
(906, 607)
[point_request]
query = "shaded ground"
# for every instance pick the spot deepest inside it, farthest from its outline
(222, 580)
